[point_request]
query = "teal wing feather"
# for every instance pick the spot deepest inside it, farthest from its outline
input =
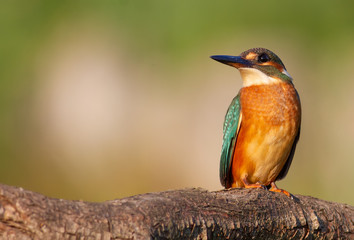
(231, 128)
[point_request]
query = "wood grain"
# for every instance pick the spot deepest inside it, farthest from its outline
(187, 214)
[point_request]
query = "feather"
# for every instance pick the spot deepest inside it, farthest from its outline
(231, 128)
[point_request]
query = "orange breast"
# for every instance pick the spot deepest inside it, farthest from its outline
(271, 117)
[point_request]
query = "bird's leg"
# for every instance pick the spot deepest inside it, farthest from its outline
(252, 185)
(274, 188)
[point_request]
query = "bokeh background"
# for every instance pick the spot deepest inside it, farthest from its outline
(107, 99)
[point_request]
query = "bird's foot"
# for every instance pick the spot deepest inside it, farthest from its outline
(274, 188)
(252, 185)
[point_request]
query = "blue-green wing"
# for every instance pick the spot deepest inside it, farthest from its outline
(231, 128)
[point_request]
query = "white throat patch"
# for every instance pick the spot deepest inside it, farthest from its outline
(252, 76)
(286, 73)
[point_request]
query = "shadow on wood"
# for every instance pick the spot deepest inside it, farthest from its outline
(187, 213)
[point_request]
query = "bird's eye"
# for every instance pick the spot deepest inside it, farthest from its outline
(263, 58)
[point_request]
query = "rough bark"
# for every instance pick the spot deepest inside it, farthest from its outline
(187, 214)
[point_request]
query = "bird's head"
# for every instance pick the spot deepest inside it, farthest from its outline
(257, 66)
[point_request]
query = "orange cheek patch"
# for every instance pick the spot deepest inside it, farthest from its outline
(276, 65)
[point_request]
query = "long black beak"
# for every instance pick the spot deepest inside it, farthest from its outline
(235, 61)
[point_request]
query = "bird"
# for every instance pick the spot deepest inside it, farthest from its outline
(262, 124)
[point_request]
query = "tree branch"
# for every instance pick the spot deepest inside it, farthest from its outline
(189, 213)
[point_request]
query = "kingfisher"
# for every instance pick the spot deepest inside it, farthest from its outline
(262, 124)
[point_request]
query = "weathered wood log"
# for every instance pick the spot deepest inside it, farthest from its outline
(187, 214)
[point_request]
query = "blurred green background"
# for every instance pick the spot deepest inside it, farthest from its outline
(107, 99)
